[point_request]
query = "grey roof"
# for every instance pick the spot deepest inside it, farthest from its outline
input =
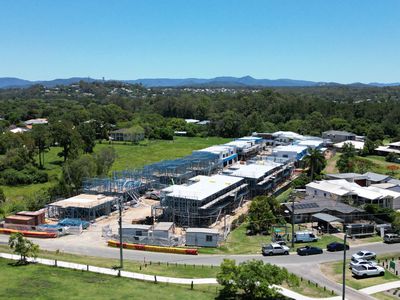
(375, 176)
(163, 226)
(347, 176)
(327, 218)
(394, 181)
(338, 132)
(137, 226)
(311, 205)
(202, 230)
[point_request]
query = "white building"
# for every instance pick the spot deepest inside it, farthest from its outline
(292, 152)
(202, 237)
(227, 154)
(390, 148)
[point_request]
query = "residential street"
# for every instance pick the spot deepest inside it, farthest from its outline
(305, 266)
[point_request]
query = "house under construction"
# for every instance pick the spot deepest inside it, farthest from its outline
(203, 199)
(84, 206)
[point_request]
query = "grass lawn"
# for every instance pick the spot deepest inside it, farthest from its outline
(385, 296)
(128, 156)
(380, 165)
(330, 167)
(240, 243)
(162, 269)
(43, 282)
(180, 271)
(334, 271)
(284, 196)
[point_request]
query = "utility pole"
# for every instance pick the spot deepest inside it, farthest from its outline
(293, 221)
(121, 258)
(344, 266)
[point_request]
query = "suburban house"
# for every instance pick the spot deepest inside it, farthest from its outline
(227, 154)
(350, 192)
(306, 208)
(365, 179)
(133, 134)
(390, 148)
(337, 136)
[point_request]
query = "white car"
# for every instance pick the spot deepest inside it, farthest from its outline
(368, 270)
(360, 262)
(274, 249)
(364, 254)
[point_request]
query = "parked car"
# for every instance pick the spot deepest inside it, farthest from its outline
(360, 262)
(308, 250)
(304, 237)
(336, 246)
(368, 270)
(364, 254)
(391, 238)
(153, 194)
(274, 249)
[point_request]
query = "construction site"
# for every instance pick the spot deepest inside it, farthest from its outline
(200, 194)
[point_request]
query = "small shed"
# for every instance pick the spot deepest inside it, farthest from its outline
(202, 237)
(38, 215)
(163, 230)
(129, 231)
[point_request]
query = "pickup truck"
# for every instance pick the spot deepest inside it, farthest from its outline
(368, 270)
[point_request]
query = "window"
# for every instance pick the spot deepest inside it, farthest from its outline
(138, 233)
(209, 238)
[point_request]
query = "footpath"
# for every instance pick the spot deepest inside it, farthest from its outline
(185, 281)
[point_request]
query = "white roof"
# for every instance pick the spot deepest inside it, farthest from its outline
(84, 201)
(18, 130)
(357, 144)
(202, 230)
(36, 121)
(240, 144)
(250, 138)
(290, 148)
(384, 191)
(342, 187)
(388, 149)
(192, 121)
(256, 170)
(288, 134)
(217, 149)
(311, 143)
(396, 144)
(201, 187)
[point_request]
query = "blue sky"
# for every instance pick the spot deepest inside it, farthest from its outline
(343, 41)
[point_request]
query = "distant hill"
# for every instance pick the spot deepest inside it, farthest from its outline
(223, 81)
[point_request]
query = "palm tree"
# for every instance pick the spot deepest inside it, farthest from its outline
(315, 161)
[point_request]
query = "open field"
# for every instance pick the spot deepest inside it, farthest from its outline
(128, 156)
(380, 165)
(44, 282)
(334, 272)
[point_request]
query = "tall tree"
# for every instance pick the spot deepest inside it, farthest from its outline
(345, 163)
(66, 136)
(104, 160)
(315, 162)
(87, 132)
(41, 135)
(263, 213)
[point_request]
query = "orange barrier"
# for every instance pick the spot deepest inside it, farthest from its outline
(27, 233)
(154, 248)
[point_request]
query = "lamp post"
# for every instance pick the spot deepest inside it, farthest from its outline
(292, 219)
(344, 265)
(120, 201)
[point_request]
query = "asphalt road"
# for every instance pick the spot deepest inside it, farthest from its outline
(305, 266)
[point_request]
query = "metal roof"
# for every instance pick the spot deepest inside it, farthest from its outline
(375, 176)
(202, 230)
(327, 218)
(319, 204)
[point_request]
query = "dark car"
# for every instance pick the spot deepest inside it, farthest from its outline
(335, 246)
(307, 250)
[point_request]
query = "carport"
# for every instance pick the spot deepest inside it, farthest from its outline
(326, 218)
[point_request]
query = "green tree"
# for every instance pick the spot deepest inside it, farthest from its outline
(23, 247)
(66, 136)
(345, 163)
(2, 196)
(369, 147)
(315, 162)
(87, 132)
(75, 171)
(41, 135)
(263, 213)
(253, 278)
(376, 133)
(104, 160)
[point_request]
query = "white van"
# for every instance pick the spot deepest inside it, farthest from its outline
(304, 237)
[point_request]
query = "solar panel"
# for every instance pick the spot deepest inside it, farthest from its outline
(306, 205)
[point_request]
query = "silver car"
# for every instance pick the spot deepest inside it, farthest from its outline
(275, 249)
(360, 262)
